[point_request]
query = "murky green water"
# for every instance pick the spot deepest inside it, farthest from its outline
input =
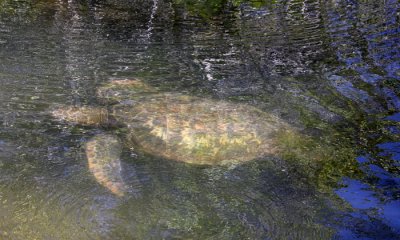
(330, 69)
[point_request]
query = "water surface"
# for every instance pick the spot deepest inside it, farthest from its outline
(330, 69)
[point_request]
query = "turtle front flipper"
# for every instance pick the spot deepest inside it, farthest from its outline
(103, 154)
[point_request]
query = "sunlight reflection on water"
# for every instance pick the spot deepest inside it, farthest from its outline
(313, 63)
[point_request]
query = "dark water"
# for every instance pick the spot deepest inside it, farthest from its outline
(331, 69)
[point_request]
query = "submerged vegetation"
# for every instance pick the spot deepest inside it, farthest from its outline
(319, 160)
(328, 69)
(25, 10)
(213, 8)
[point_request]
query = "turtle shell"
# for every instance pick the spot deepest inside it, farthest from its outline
(197, 130)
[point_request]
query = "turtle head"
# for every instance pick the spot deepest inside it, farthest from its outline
(117, 91)
(87, 116)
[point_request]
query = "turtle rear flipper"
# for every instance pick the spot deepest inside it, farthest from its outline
(103, 154)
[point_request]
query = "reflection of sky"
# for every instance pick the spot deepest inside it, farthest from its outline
(394, 117)
(358, 194)
(390, 213)
(364, 43)
(372, 207)
(391, 149)
(383, 43)
(347, 234)
(381, 204)
(365, 37)
(372, 217)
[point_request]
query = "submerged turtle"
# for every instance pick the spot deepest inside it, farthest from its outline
(170, 125)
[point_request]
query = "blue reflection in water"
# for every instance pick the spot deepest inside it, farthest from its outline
(393, 129)
(372, 216)
(372, 208)
(384, 41)
(347, 234)
(380, 206)
(379, 173)
(394, 117)
(391, 214)
(366, 40)
(391, 149)
(358, 194)
(363, 159)
(355, 32)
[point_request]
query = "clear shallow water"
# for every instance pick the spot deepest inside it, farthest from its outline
(328, 68)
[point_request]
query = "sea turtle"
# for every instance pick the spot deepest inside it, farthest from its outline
(171, 125)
